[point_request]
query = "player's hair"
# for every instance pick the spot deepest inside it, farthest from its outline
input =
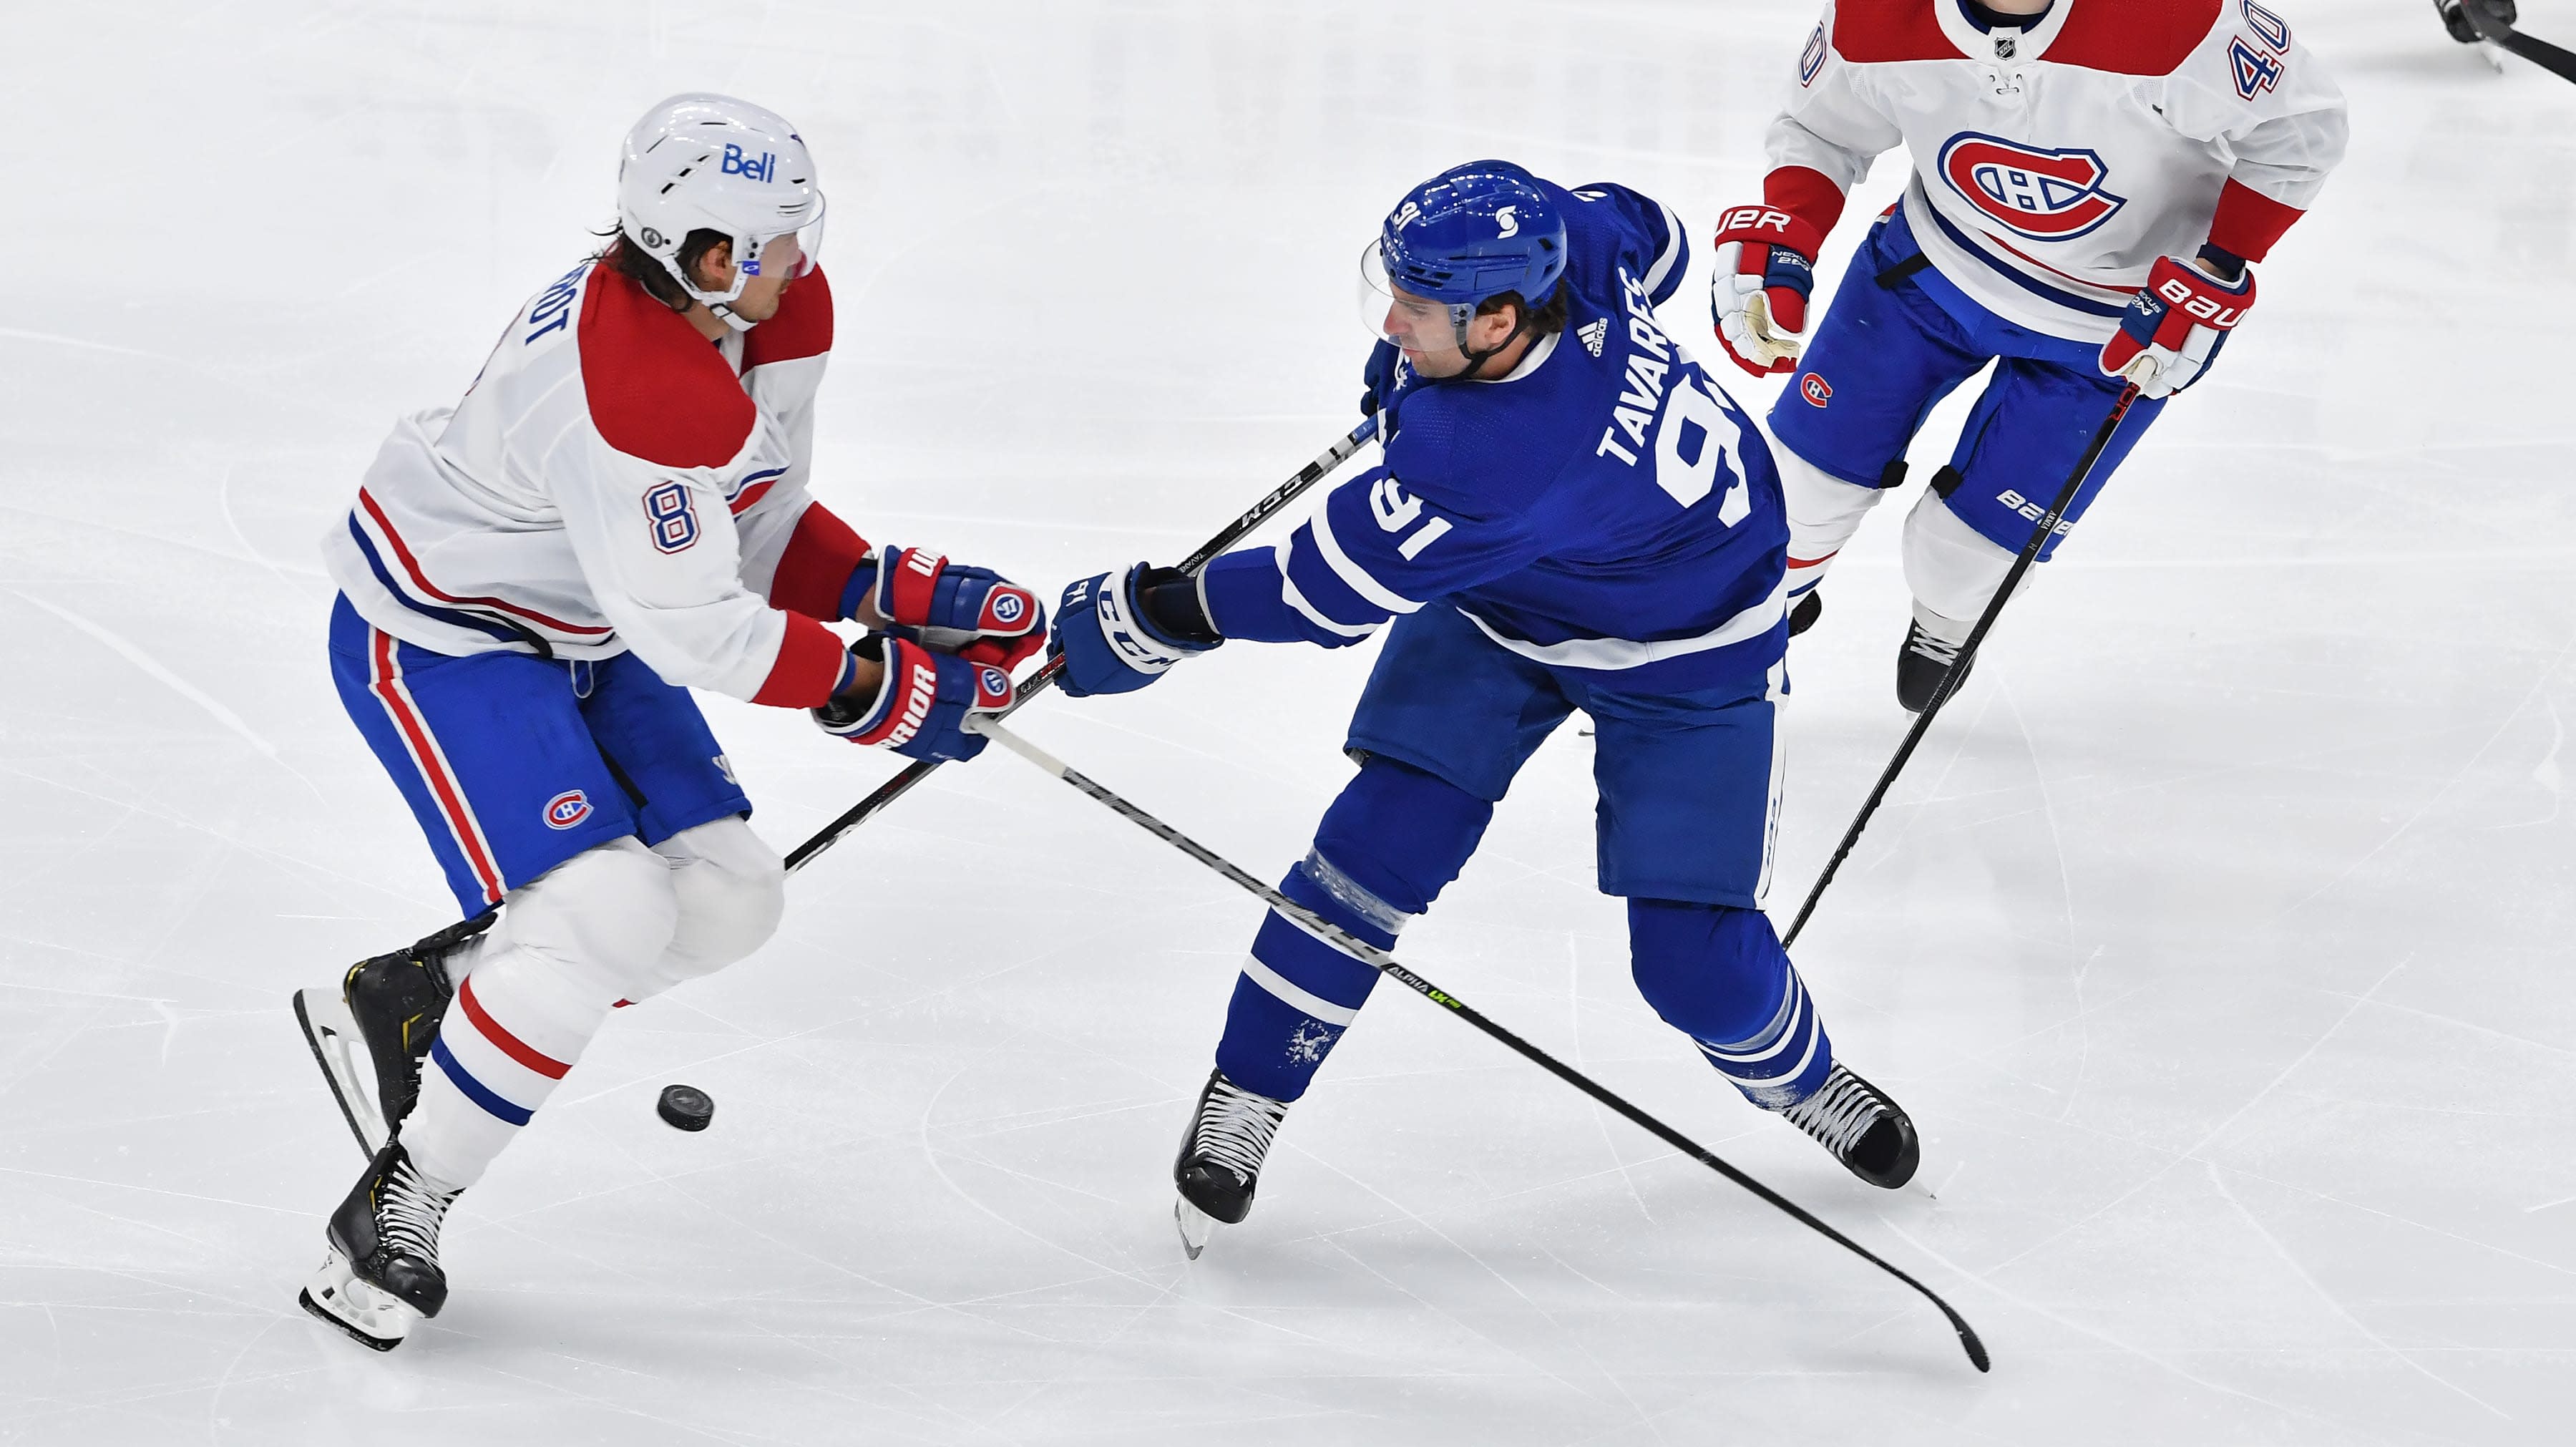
(1544, 320)
(631, 262)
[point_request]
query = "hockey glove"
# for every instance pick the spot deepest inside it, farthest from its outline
(1107, 639)
(2175, 325)
(975, 613)
(921, 708)
(1766, 267)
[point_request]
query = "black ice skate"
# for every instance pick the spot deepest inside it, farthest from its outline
(1220, 1162)
(371, 1036)
(382, 1275)
(2456, 20)
(1869, 1133)
(1921, 665)
(1804, 616)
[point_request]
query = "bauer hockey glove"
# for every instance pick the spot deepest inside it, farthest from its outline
(1765, 269)
(1109, 639)
(2175, 325)
(975, 613)
(921, 707)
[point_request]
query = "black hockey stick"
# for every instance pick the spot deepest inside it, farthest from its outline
(1385, 963)
(2539, 52)
(1044, 679)
(2048, 523)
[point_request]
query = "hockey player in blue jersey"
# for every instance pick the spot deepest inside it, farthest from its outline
(1570, 515)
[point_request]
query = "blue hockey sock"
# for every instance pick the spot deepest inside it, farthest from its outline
(1385, 850)
(1297, 994)
(1719, 975)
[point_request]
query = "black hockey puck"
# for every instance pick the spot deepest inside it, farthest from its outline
(686, 1107)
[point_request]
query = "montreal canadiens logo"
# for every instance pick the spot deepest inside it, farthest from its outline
(566, 809)
(1815, 389)
(2044, 195)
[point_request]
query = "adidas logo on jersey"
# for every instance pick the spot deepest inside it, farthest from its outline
(1593, 334)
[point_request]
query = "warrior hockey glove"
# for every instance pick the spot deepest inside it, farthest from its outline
(974, 613)
(1108, 640)
(1766, 267)
(2175, 325)
(921, 708)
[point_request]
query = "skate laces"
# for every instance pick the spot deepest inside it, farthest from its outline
(1930, 646)
(409, 1211)
(1235, 1127)
(1840, 1112)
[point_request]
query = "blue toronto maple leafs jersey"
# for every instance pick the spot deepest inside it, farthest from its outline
(1606, 507)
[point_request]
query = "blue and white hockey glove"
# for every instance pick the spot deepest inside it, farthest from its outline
(921, 707)
(1108, 640)
(974, 613)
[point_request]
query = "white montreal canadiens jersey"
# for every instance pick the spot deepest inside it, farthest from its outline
(612, 481)
(2053, 165)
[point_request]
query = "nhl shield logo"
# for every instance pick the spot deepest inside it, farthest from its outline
(2044, 195)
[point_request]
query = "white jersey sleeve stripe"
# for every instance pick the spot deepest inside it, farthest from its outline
(1296, 598)
(1351, 573)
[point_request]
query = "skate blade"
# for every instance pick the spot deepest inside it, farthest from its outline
(1196, 1226)
(371, 1318)
(346, 1066)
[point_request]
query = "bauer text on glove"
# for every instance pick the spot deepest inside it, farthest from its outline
(1765, 269)
(2175, 325)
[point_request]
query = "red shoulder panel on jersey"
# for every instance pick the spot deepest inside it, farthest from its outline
(1872, 31)
(815, 569)
(2133, 37)
(802, 328)
(657, 389)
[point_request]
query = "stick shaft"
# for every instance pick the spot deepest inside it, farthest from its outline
(1386, 963)
(1039, 682)
(1967, 651)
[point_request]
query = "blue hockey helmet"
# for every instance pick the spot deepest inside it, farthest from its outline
(1465, 236)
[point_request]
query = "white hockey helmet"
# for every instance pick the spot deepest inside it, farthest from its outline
(703, 161)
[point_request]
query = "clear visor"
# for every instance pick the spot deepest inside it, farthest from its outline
(794, 253)
(1415, 323)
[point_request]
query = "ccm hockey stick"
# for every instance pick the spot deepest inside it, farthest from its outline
(2048, 523)
(1386, 964)
(2497, 33)
(1044, 679)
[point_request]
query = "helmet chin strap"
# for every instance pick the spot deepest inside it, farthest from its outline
(1476, 360)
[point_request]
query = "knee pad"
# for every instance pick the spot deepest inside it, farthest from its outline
(1952, 568)
(731, 889)
(599, 919)
(1713, 972)
(1400, 834)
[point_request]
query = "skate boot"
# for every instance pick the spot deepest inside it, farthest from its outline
(371, 1037)
(2456, 20)
(382, 1275)
(1220, 1162)
(1869, 1133)
(1921, 664)
(1804, 616)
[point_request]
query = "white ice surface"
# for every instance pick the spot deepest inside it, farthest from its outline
(2220, 942)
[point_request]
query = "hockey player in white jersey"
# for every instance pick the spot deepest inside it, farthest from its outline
(531, 581)
(2092, 179)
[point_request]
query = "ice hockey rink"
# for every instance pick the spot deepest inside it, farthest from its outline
(2220, 939)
